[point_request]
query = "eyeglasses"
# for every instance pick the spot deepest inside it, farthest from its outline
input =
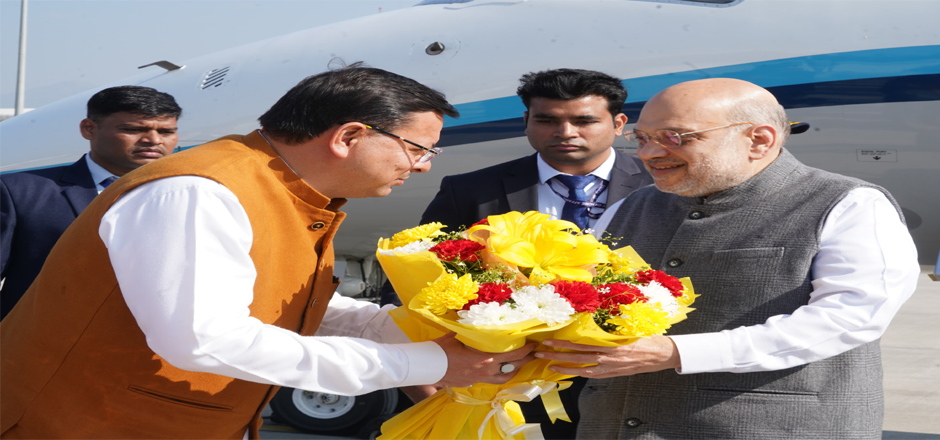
(667, 138)
(431, 152)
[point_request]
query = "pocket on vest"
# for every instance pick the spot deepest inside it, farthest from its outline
(762, 413)
(177, 400)
(759, 392)
(749, 254)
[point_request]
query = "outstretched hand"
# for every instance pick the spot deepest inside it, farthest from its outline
(646, 355)
(467, 366)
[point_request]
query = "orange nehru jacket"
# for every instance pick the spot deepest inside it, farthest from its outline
(76, 365)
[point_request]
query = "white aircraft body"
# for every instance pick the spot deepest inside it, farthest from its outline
(864, 74)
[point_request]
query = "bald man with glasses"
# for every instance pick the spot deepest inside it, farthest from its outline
(799, 270)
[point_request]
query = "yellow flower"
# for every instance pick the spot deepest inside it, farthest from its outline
(449, 293)
(619, 263)
(518, 225)
(617, 267)
(640, 319)
(415, 234)
(545, 246)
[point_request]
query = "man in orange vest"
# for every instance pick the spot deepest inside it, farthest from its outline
(194, 286)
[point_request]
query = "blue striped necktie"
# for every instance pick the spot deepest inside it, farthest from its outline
(577, 214)
(108, 181)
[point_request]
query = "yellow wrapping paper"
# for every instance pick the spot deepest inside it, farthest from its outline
(485, 411)
(408, 273)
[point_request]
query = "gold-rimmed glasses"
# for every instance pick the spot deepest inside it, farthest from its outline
(668, 138)
(430, 152)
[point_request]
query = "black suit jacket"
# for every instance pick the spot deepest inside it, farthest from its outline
(465, 199)
(35, 209)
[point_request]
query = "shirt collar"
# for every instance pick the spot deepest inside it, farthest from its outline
(97, 172)
(546, 171)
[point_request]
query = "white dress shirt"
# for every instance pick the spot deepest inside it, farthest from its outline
(865, 269)
(98, 174)
(179, 247)
(552, 204)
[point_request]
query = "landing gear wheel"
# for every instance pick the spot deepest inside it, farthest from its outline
(332, 414)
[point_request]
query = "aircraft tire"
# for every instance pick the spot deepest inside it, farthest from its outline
(323, 413)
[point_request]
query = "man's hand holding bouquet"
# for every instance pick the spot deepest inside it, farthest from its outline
(508, 280)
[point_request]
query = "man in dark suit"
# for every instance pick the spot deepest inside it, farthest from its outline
(573, 117)
(126, 127)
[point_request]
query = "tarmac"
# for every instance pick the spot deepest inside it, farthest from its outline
(911, 359)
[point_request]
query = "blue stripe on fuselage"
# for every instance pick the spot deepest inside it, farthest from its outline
(851, 92)
(175, 150)
(826, 68)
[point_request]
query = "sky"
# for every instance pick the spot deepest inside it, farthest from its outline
(76, 45)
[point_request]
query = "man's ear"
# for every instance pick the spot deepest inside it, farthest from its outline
(525, 119)
(763, 139)
(88, 128)
(346, 137)
(620, 121)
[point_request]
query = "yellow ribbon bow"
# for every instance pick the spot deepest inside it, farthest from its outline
(506, 427)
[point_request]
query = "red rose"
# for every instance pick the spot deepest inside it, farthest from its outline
(464, 250)
(614, 294)
(485, 221)
(668, 281)
(582, 296)
(490, 292)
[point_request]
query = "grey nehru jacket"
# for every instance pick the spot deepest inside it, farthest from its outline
(748, 251)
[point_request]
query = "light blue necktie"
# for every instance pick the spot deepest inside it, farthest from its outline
(577, 214)
(108, 181)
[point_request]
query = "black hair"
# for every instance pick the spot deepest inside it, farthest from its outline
(568, 84)
(132, 99)
(352, 93)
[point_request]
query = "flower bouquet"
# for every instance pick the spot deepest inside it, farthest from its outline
(507, 280)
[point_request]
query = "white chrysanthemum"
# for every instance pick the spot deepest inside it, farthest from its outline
(659, 294)
(490, 313)
(410, 248)
(543, 304)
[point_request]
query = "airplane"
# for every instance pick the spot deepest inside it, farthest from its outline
(864, 74)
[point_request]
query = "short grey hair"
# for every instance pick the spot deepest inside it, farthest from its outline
(759, 111)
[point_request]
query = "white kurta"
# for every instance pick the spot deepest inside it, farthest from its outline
(179, 248)
(865, 269)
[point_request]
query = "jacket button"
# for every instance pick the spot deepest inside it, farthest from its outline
(316, 226)
(633, 422)
(695, 215)
(675, 262)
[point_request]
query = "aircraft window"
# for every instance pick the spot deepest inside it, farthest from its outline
(442, 2)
